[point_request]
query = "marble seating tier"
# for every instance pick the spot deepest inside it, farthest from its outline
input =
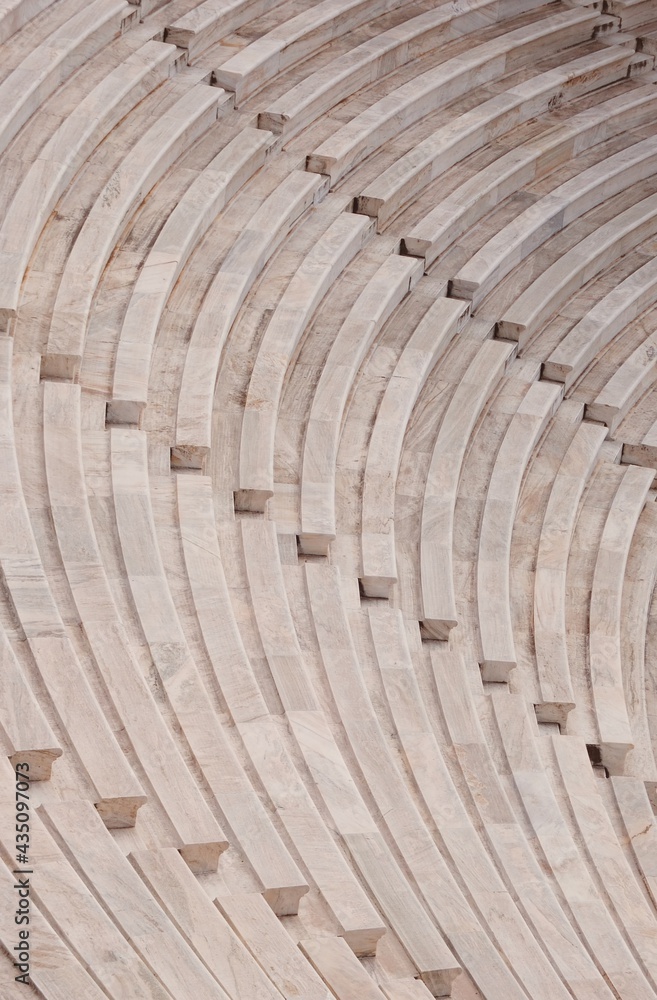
(328, 454)
(426, 93)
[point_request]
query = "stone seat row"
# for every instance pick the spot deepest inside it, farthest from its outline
(208, 22)
(620, 718)
(524, 753)
(16, 13)
(605, 646)
(397, 647)
(295, 40)
(237, 959)
(385, 290)
(464, 710)
(427, 92)
(638, 587)
(466, 405)
(428, 342)
(280, 879)
(448, 220)
(55, 59)
(261, 235)
(527, 425)
(169, 135)
(355, 918)
(550, 214)
(338, 629)
(338, 245)
(406, 179)
(48, 176)
(589, 337)
(308, 722)
(228, 171)
(543, 297)
(556, 697)
(96, 899)
(194, 829)
(379, 56)
(494, 557)
(116, 791)
(380, 297)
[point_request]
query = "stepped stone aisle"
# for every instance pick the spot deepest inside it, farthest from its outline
(328, 482)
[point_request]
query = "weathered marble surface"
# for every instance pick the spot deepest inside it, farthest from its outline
(413, 755)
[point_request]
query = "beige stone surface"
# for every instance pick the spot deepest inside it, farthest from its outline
(567, 202)
(382, 121)
(437, 527)
(380, 297)
(550, 594)
(328, 543)
(187, 224)
(430, 338)
(316, 273)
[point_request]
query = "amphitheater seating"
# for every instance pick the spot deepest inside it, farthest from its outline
(15, 13)
(207, 23)
(533, 226)
(261, 235)
(255, 924)
(639, 823)
(437, 529)
(328, 468)
(379, 870)
(428, 341)
(54, 969)
(561, 852)
(48, 65)
(295, 40)
(356, 918)
(340, 969)
(379, 56)
(594, 331)
(547, 293)
(162, 762)
(24, 728)
(605, 618)
(438, 86)
(494, 562)
(79, 935)
(118, 794)
(550, 596)
(625, 387)
(50, 173)
(462, 709)
(134, 911)
(445, 806)
(175, 664)
(282, 883)
(139, 171)
(191, 218)
(366, 738)
(373, 307)
(201, 925)
(334, 250)
(638, 587)
(482, 192)
(611, 863)
(406, 179)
